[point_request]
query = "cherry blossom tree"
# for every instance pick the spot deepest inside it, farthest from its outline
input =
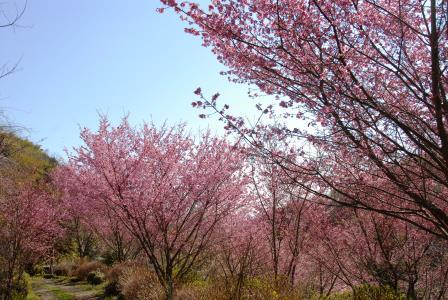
(122, 246)
(241, 253)
(92, 223)
(324, 268)
(282, 212)
(368, 76)
(29, 212)
(28, 227)
(165, 188)
(361, 247)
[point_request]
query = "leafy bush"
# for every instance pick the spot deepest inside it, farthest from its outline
(376, 293)
(95, 278)
(365, 292)
(21, 287)
(256, 288)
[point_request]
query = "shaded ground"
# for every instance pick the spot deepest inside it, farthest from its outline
(62, 289)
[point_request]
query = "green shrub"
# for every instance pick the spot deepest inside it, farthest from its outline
(364, 292)
(254, 288)
(95, 278)
(21, 287)
(371, 292)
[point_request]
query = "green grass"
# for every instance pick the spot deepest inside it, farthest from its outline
(32, 296)
(98, 289)
(60, 294)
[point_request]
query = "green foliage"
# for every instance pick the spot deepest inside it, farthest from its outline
(258, 288)
(27, 157)
(376, 293)
(21, 287)
(109, 258)
(261, 288)
(364, 292)
(32, 296)
(193, 276)
(95, 278)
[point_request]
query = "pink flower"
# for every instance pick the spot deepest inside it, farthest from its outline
(198, 91)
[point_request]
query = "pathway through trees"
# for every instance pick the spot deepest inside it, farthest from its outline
(54, 289)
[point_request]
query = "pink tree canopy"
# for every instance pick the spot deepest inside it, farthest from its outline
(167, 189)
(369, 76)
(29, 217)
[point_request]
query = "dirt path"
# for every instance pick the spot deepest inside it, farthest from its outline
(55, 289)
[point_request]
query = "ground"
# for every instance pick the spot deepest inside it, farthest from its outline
(62, 289)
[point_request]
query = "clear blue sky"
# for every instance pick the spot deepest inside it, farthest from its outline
(82, 57)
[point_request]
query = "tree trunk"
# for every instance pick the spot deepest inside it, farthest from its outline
(169, 290)
(411, 295)
(10, 278)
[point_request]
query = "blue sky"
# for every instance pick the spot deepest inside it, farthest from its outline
(82, 57)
